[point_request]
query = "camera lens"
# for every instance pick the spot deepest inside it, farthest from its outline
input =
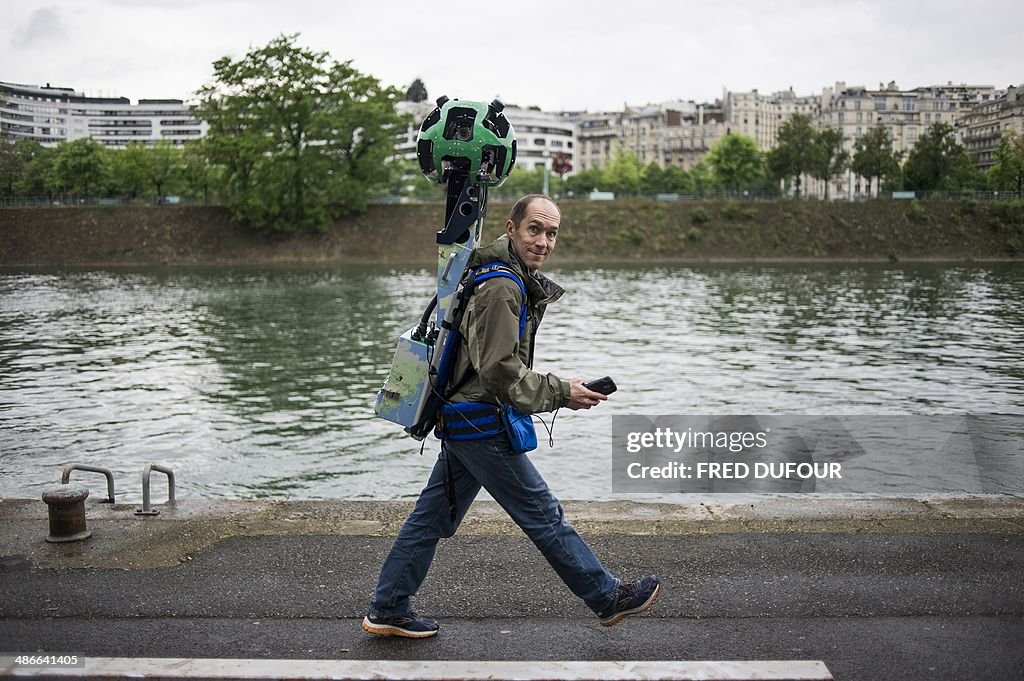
(463, 133)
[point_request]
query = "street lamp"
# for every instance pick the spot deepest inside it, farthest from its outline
(547, 158)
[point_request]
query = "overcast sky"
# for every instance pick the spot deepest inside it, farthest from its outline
(594, 55)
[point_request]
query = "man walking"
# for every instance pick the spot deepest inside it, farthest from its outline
(493, 369)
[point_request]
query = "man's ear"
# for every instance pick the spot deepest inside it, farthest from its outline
(510, 228)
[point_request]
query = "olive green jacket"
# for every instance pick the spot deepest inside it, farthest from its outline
(491, 346)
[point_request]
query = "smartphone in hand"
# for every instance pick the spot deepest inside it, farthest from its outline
(604, 385)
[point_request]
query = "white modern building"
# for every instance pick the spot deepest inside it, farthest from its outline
(50, 115)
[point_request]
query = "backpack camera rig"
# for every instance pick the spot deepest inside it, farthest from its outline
(470, 147)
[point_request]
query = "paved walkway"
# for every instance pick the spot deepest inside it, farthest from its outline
(874, 589)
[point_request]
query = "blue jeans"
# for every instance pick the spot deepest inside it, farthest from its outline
(519, 488)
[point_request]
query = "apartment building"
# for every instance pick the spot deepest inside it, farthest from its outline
(50, 115)
(671, 133)
(907, 114)
(984, 125)
(760, 116)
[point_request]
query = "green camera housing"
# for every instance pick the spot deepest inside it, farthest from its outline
(467, 138)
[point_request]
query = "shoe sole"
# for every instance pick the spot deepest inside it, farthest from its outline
(618, 617)
(388, 630)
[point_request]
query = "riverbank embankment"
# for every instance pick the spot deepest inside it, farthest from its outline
(624, 230)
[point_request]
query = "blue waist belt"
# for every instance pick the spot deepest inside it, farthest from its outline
(469, 421)
(477, 420)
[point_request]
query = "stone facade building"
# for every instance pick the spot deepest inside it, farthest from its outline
(984, 125)
(670, 134)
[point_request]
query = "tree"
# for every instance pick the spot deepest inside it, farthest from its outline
(523, 181)
(873, 156)
(165, 166)
(37, 172)
(938, 161)
(1008, 171)
(677, 181)
(302, 139)
(560, 164)
(793, 155)
(703, 179)
(830, 160)
(81, 167)
(652, 179)
(129, 169)
(12, 165)
(417, 92)
(736, 161)
(584, 182)
(197, 173)
(622, 174)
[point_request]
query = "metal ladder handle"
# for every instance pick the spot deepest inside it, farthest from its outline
(146, 472)
(65, 477)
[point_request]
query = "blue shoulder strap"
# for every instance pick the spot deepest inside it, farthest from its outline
(501, 269)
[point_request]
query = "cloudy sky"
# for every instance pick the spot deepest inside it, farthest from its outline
(558, 55)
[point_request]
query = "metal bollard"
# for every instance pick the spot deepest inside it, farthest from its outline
(67, 513)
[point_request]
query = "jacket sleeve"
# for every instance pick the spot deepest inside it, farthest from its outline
(492, 334)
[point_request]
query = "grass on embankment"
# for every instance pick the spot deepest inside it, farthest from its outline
(623, 230)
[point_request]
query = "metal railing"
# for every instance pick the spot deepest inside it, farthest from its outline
(505, 197)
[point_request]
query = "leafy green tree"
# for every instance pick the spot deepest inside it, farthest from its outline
(938, 161)
(830, 159)
(1008, 171)
(622, 174)
(129, 170)
(874, 158)
(583, 182)
(303, 139)
(81, 167)
(736, 161)
(417, 92)
(793, 155)
(653, 179)
(12, 165)
(198, 175)
(522, 181)
(677, 180)
(165, 166)
(704, 180)
(37, 171)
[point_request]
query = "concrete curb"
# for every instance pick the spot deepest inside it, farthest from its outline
(123, 540)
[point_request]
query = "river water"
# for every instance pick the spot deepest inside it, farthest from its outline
(260, 382)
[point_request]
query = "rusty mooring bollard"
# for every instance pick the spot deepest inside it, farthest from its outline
(67, 513)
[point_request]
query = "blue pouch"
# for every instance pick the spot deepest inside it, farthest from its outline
(521, 433)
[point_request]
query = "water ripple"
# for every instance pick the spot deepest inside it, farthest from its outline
(261, 382)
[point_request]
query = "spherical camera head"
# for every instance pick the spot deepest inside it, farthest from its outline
(472, 139)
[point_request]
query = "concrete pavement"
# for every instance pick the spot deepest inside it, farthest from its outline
(873, 588)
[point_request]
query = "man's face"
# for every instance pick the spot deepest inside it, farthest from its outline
(534, 238)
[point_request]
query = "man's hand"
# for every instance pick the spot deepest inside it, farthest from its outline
(580, 397)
